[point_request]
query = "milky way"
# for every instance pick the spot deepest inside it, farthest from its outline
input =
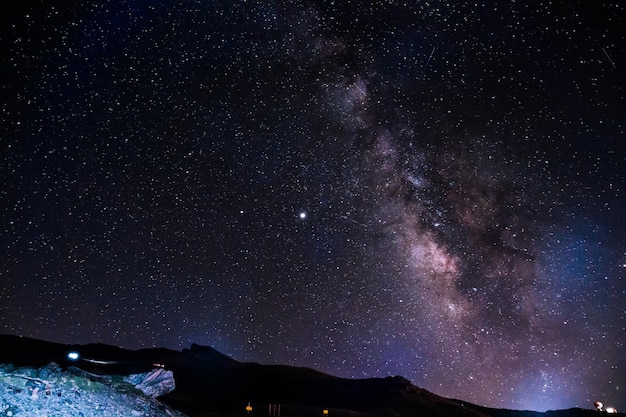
(430, 190)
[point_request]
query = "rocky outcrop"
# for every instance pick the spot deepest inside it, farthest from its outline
(51, 391)
(154, 383)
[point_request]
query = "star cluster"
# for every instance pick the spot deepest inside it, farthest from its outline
(427, 189)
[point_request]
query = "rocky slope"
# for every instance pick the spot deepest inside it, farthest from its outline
(52, 391)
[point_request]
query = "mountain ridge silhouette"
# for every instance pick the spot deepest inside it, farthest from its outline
(209, 383)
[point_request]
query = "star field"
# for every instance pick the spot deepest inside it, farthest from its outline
(427, 189)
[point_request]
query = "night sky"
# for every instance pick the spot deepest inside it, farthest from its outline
(429, 189)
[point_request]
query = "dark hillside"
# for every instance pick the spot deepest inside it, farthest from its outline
(209, 383)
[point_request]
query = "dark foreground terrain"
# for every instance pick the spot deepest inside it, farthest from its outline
(211, 384)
